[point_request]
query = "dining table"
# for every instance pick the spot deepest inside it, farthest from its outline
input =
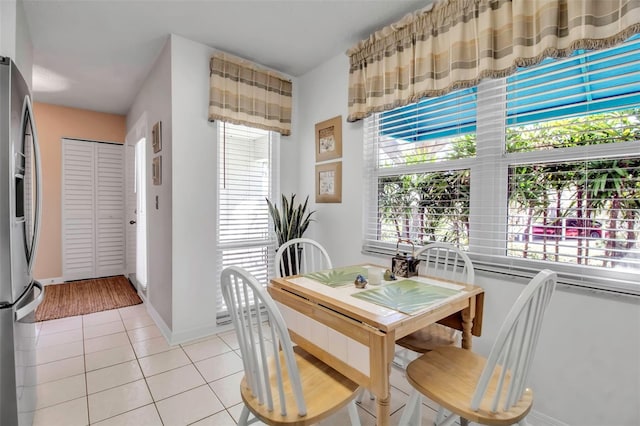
(354, 330)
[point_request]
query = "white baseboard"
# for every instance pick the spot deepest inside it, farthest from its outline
(164, 329)
(62, 280)
(49, 281)
(193, 334)
(183, 336)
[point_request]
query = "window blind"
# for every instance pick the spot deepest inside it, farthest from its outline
(246, 177)
(540, 169)
(418, 174)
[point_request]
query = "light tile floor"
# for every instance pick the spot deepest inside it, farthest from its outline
(116, 368)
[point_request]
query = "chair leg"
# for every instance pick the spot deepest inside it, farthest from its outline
(361, 394)
(353, 414)
(401, 360)
(412, 413)
(446, 418)
(244, 416)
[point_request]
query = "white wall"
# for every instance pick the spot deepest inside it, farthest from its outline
(15, 39)
(194, 203)
(8, 28)
(194, 171)
(154, 99)
(587, 368)
(24, 47)
(323, 95)
(182, 246)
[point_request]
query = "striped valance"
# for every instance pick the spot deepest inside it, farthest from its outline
(242, 93)
(456, 43)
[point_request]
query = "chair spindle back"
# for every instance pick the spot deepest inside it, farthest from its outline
(300, 256)
(446, 261)
(514, 348)
(250, 307)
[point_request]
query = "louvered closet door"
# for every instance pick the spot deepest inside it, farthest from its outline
(110, 238)
(93, 238)
(78, 210)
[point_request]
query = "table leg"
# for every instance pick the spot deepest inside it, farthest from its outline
(383, 411)
(466, 330)
(381, 350)
(468, 315)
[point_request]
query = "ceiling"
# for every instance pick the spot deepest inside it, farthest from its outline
(95, 54)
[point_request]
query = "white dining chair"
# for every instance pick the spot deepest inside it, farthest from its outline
(490, 390)
(301, 256)
(439, 260)
(282, 385)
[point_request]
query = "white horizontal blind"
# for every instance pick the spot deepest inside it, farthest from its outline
(555, 180)
(246, 178)
(574, 172)
(418, 176)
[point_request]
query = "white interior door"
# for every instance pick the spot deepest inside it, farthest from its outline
(92, 210)
(110, 235)
(78, 210)
(130, 213)
(141, 213)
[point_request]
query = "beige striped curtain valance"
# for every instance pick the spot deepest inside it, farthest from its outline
(456, 43)
(242, 93)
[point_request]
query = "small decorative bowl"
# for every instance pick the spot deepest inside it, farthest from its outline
(360, 281)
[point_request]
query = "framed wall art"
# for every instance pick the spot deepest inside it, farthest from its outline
(329, 182)
(156, 137)
(156, 170)
(329, 139)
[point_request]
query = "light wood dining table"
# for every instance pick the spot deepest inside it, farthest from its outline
(357, 337)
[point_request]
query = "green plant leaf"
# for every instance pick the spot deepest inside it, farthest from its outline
(292, 220)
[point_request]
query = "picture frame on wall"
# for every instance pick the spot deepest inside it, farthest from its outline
(156, 170)
(156, 137)
(329, 182)
(329, 139)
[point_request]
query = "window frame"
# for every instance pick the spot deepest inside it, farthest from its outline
(489, 195)
(222, 315)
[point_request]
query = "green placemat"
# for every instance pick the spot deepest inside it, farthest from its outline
(338, 277)
(406, 296)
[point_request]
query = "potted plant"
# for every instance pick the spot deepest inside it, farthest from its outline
(290, 222)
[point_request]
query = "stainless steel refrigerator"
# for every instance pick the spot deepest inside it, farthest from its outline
(20, 201)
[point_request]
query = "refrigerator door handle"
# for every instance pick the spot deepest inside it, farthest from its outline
(27, 112)
(31, 306)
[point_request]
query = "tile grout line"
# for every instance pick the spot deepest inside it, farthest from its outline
(153, 401)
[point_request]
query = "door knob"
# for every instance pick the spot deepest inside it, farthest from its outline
(131, 222)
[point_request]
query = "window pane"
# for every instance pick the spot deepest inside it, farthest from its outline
(432, 118)
(424, 207)
(600, 88)
(245, 180)
(594, 129)
(584, 212)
